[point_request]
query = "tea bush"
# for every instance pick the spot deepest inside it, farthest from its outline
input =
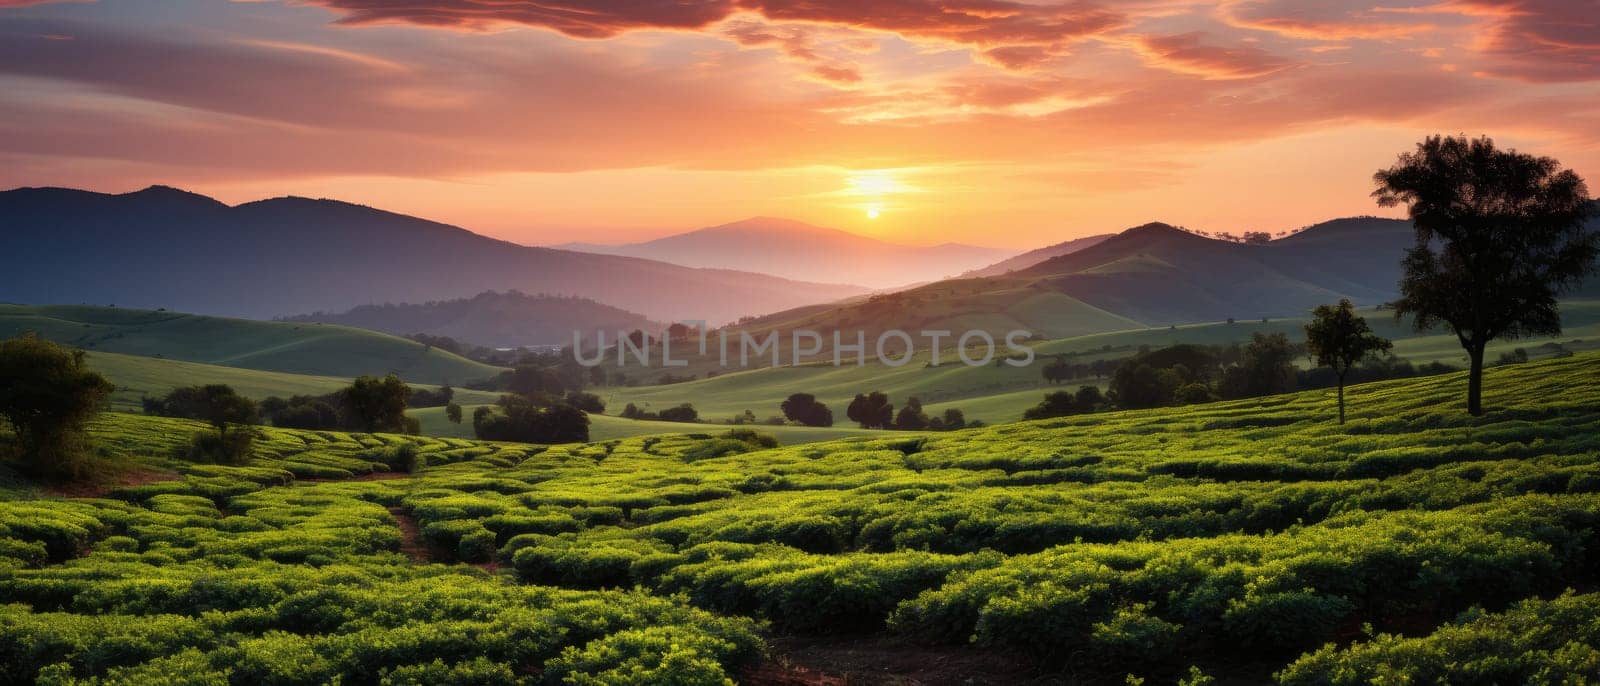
(1254, 535)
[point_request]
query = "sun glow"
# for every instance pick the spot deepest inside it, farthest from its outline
(875, 183)
(873, 211)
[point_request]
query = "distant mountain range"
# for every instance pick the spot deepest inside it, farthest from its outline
(166, 248)
(796, 250)
(1150, 275)
(493, 319)
(1033, 257)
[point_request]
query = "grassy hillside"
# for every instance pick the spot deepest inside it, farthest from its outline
(1151, 275)
(1253, 541)
(314, 349)
(607, 427)
(491, 319)
(1001, 394)
(136, 377)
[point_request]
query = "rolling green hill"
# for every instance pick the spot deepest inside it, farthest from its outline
(1001, 394)
(1151, 275)
(1252, 541)
(136, 377)
(491, 319)
(313, 349)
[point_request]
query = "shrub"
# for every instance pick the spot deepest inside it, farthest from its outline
(476, 546)
(233, 447)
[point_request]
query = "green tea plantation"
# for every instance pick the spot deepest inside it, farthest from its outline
(1240, 542)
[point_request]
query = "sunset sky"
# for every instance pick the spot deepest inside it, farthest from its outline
(994, 122)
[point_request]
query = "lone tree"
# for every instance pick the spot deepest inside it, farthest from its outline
(804, 408)
(375, 404)
(221, 407)
(1500, 236)
(452, 412)
(871, 411)
(1338, 338)
(46, 396)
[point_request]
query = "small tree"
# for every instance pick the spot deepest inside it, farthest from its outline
(588, 402)
(1057, 371)
(953, 419)
(524, 421)
(1500, 236)
(47, 394)
(452, 412)
(1266, 367)
(221, 407)
(804, 408)
(1338, 338)
(911, 417)
(1057, 404)
(871, 411)
(373, 404)
(682, 413)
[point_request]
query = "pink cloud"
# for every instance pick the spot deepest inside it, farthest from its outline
(989, 24)
(1538, 40)
(1186, 53)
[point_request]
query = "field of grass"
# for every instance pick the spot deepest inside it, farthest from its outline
(607, 427)
(312, 349)
(136, 377)
(1001, 394)
(1253, 541)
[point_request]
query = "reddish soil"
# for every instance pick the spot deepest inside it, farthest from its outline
(882, 661)
(411, 544)
(381, 476)
(101, 488)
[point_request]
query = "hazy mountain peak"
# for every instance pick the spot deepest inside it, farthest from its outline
(1154, 229)
(797, 250)
(170, 196)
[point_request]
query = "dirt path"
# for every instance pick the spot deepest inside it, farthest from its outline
(100, 489)
(882, 661)
(411, 544)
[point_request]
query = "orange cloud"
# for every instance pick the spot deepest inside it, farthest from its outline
(1538, 40)
(1329, 20)
(1186, 54)
(991, 24)
(836, 74)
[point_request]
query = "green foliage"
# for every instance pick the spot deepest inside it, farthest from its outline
(232, 447)
(216, 404)
(525, 421)
(1533, 642)
(804, 408)
(46, 396)
(871, 410)
(1500, 236)
(375, 404)
(680, 413)
(1245, 536)
(1338, 338)
(911, 417)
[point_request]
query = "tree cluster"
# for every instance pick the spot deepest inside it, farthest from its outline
(520, 419)
(47, 396)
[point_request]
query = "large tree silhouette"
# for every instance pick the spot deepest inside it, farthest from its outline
(1500, 236)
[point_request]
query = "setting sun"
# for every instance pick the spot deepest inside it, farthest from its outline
(873, 211)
